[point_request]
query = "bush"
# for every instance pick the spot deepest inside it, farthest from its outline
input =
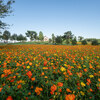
(95, 42)
(84, 42)
(74, 41)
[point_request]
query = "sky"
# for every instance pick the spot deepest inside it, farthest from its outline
(81, 17)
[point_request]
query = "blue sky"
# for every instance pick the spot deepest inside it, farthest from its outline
(82, 17)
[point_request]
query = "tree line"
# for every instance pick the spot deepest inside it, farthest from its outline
(67, 37)
(71, 39)
(6, 35)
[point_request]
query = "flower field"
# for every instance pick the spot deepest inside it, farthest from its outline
(49, 72)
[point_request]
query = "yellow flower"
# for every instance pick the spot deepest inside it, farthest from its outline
(65, 65)
(28, 67)
(0, 61)
(82, 93)
(84, 66)
(36, 65)
(98, 66)
(97, 56)
(45, 67)
(82, 84)
(79, 67)
(62, 69)
(91, 76)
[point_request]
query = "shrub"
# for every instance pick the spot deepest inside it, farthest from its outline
(74, 41)
(95, 42)
(84, 42)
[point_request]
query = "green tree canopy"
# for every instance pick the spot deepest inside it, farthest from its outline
(67, 36)
(41, 37)
(58, 39)
(5, 10)
(6, 35)
(21, 37)
(74, 41)
(31, 34)
(53, 38)
(14, 37)
(80, 38)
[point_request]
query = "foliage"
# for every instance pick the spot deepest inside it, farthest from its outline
(95, 42)
(50, 40)
(90, 39)
(58, 40)
(41, 37)
(14, 37)
(84, 42)
(74, 41)
(6, 35)
(21, 37)
(53, 38)
(31, 34)
(5, 10)
(67, 36)
(80, 38)
(49, 72)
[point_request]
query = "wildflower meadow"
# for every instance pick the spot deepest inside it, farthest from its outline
(49, 72)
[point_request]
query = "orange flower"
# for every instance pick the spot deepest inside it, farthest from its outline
(88, 80)
(45, 63)
(30, 63)
(91, 90)
(29, 74)
(9, 98)
(99, 79)
(45, 77)
(88, 83)
(85, 70)
(53, 88)
(33, 79)
(79, 74)
(2, 75)
(69, 72)
(29, 93)
(70, 97)
(19, 86)
(90, 66)
(31, 87)
(0, 89)
(60, 84)
(78, 88)
(60, 90)
(38, 90)
(42, 73)
(68, 90)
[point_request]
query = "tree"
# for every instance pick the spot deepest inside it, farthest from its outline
(41, 37)
(74, 41)
(31, 34)
(84, 42)
(5, 10)
(35, 35)
(21, 38)
(6, 35)
(80, 38)
(67, 36)
(50, 40)
(14, 37)
(95, 42)
(1, 35)
(58, 40)
(53, 38)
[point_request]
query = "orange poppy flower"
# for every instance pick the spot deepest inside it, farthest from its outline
(9, 98)
(70, 97)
